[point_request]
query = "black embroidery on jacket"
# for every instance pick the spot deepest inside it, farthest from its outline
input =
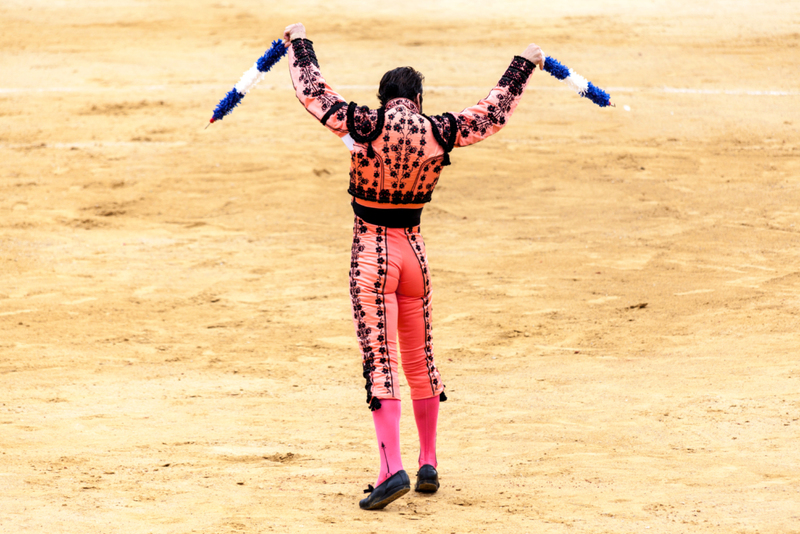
(365, 125)
(516, 75)
(304, 53)
(444, 131)
(400, 171)
(310, 77)
(514, 78)
(336, 107)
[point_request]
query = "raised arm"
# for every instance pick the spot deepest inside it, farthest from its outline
(325, 104)
(488, 116)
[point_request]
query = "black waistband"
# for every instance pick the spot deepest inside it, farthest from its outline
(391, 218)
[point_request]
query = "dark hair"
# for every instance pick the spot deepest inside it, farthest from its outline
(402, 82)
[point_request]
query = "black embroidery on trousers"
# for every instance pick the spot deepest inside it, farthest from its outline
(363, 331)
(382, 251)
(414, 241)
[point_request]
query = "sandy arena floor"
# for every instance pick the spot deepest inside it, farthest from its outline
(617, 290)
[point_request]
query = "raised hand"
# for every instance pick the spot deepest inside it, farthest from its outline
(535, 55)
(293, 31)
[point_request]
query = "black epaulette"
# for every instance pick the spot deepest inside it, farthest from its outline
(364, 138)
(444, 131)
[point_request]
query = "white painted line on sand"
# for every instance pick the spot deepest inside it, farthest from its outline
(208, 86)
(93, 144)
(5, 314)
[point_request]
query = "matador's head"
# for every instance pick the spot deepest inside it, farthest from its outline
(402, 82)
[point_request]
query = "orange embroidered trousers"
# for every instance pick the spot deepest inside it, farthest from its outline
(390, 291)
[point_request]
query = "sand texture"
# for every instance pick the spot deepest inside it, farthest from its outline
(617, 291)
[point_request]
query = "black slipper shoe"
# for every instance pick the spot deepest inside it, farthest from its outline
(427, 479)
(389, 490)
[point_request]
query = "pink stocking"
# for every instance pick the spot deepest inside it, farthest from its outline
(387, 428)
(426, 412)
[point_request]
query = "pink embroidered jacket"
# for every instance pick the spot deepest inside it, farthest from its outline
(398, 153)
